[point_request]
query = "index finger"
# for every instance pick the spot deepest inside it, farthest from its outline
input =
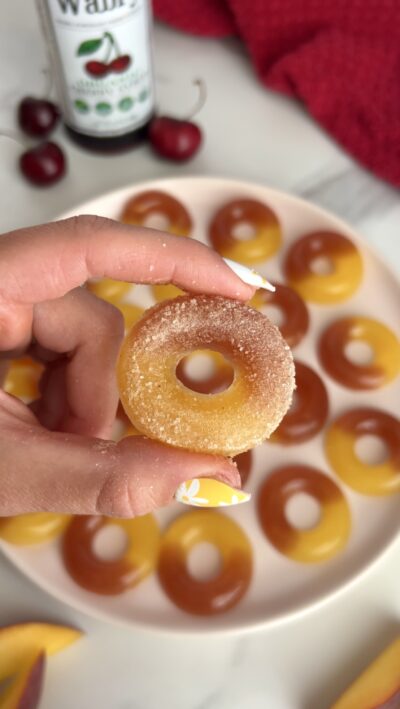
(47, 261)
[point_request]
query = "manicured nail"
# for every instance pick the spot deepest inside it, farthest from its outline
(249, 276)
(206, 492)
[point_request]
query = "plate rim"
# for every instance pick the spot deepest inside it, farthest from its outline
(284, 618)
(301, 201)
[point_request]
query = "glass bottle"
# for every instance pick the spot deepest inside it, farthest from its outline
(100, 52)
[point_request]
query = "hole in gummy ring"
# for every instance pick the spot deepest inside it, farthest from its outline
(371, 450)
(295, 402)
(321, 266)
(243, 231)
(303, 511)
(204, 562)
(157, 220)
(110, 543)
(274, 313)
(200, 367)
(359, 352)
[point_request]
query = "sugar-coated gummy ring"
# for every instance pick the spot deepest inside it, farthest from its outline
(331, 533)
(36, 528)
(296, 318)
(303, 421)
(220, 593)
(267, 237)
(325, 288)
(110, 577)
(385, 365)
(369, 479)
(142, 206)
(228, 422)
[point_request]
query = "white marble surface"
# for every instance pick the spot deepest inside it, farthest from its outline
(250, 134)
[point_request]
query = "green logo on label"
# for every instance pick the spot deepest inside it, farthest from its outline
(103, 108)
(125, 103)
(81, 106)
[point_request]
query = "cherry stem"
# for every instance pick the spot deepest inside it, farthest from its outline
(49, 79)
(113, 42)
(201, 99)
(110, 46)
(15, 139)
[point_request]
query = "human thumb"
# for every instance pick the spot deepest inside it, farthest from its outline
(47, 471)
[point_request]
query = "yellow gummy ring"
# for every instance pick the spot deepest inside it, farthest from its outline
(267, 237)
(110, 290)
(368, 479)
(324, 288)
(35, 528)
(327, 537)
(111, 577)
(220, 593)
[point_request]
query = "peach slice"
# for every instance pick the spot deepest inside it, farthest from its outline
(26, 688)
(378, 687)
(20, 641)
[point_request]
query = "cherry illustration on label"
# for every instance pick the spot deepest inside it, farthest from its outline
(120, 64)
(98, 69)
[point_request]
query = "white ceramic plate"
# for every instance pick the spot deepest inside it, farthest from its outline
(280, 588)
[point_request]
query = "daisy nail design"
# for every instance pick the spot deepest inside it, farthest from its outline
(206, 492)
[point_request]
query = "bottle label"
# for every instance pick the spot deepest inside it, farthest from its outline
(102, 55)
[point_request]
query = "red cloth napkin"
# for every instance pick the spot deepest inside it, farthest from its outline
(341, 58)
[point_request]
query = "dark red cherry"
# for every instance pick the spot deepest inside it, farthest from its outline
(37, 117)
(174, 139)
(43, 165)
(96, 69)
(120, 64)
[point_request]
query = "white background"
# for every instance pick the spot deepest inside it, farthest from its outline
(249, 134)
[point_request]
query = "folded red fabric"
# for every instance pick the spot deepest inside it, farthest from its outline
(341, 58)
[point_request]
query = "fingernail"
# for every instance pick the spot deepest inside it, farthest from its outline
(248, 275)
(207, 492)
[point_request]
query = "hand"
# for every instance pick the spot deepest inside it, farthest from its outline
(53, 456)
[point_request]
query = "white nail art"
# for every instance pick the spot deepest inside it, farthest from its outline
(207, 492)
(248, 275)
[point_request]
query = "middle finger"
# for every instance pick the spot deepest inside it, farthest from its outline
(87, 332)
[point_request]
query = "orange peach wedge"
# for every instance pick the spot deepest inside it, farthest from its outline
(25, 690)
(20, 641)
(379, 685)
